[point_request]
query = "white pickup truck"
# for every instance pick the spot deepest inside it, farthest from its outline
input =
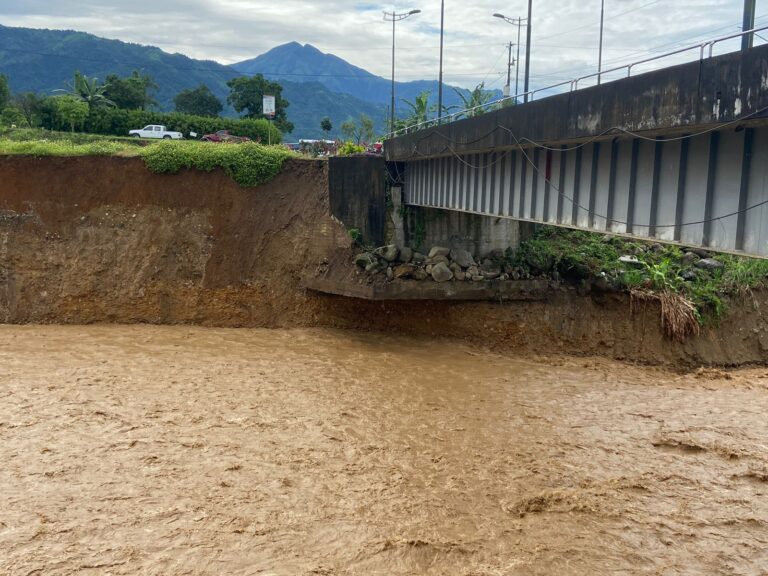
(156, 131)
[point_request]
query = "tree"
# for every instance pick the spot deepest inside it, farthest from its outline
(5, 92)
(246, 94)
(12, 116)
(364, 131)
(200, 102)
(71, 110)
(326, 125)
(420, 108)
(89, 91)
(477, 98)
(131, 92)
(30, 105)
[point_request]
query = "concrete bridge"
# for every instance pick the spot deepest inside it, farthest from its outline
(678, 155)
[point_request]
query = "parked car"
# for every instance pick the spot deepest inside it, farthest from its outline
(224, 136)
(156, 131)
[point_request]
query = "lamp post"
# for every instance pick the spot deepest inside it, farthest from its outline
(748, 24)
(528, 50)
(395, 17)
(600, 50)
(440, 78)
(519, 23)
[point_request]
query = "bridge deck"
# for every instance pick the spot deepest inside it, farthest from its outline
(708, 190)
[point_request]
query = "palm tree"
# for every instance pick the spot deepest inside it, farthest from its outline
(89, 91)
(473, 104)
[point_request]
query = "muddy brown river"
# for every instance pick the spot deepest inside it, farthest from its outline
(178, 450)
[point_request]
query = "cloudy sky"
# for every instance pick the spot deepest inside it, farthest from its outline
(565, 32)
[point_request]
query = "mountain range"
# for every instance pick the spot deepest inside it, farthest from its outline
(314, 83)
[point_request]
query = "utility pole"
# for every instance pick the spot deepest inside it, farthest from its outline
(440, 80)
(517, 62)
(600, 51)
(748, 24)
(519, 24)
(528, 51)
(509, 71)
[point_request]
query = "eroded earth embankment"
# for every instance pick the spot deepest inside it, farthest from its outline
(93, 239)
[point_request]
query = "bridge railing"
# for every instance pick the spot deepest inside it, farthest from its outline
(703, 47)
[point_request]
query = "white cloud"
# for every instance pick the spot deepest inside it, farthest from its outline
(565, 32)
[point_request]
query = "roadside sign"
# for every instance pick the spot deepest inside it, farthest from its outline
(268, 105)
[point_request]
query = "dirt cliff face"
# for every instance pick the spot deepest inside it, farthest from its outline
(86, 240)
(104, 240)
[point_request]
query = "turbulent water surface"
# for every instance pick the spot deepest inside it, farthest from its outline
(177, 450)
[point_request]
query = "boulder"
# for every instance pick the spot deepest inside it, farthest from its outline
(441, 272)
(631, 261)
(418, 257)
(406, 254)
(438, 259)
(709, 264)
(690, 258)
(490, 269)
(390, 273)
(478, 278)
(459, 275)
(473, 271)
(364, 259)
(389, 253)
(374, 267)
(404, 271)
(420, 274)
(462, 257)
(688, 275)
(454, 267)
(429, 269)
(439, 251)
(700, 252)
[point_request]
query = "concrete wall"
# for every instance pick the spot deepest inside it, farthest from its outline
(357, 194)
(711, 91)
(428, 227)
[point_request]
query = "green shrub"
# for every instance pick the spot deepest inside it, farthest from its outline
(350, 148)
(118, 122)
(578, 255)
(60, 148)
(249, 164)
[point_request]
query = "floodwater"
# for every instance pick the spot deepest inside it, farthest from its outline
(179, 450)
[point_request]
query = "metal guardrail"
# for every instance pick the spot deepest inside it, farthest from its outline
(573, 84)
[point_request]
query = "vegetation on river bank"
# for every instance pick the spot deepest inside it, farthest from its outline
(249, 164)
(690, 284)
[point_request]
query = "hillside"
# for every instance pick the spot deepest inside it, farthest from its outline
(45, 60)
(299, 63)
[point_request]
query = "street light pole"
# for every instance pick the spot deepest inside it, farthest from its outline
(519, 24)
(748, 24)
(600, 51)
(440, 79)
(528, 51)
(517, 62)
(395, 17)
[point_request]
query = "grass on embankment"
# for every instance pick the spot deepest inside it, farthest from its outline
(248, 164)
(690, 296)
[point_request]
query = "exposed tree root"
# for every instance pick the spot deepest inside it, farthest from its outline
(679, 318)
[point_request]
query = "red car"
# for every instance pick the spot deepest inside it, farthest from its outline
(224, 136)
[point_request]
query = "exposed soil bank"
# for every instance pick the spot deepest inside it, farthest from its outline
(89, 239)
